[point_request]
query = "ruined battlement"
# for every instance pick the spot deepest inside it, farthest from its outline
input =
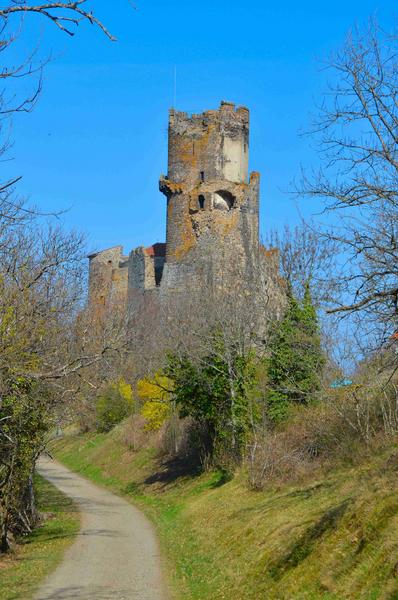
(227, 113)
(209, 146)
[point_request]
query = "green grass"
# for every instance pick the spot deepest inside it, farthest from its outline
(333, 538)
(22, 571)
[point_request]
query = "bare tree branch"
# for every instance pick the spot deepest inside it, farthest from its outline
(357, 134)
(55, 12)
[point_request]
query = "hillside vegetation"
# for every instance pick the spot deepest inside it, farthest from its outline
(333, 536)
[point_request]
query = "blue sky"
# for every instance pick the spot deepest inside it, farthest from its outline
(96, 142)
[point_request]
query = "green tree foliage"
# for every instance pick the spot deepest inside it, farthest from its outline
(24, 422)
(113, 405)
(214, 391)
(296, 359)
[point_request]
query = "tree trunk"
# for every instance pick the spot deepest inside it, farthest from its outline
(4, 541)
(29, 502)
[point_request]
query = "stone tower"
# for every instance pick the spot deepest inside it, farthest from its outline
(108, 278)
(212, 238)
(212, 207)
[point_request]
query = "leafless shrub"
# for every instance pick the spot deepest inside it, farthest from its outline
(271, 458)
(306, 256)
(323, 435)
(177, 437)
(136, 437)
(389, 409)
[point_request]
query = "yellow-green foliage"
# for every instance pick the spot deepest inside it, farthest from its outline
(156, 394)
(114, 404)
(125, 391)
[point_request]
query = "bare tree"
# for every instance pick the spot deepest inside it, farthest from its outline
(306, 256)
(49, 352)
(357, 130)
(67, 16)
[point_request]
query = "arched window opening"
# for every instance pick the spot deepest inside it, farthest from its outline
(223, 200)
(201, 200)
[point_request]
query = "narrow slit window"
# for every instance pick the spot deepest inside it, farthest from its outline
(202, 176)
(201, 200)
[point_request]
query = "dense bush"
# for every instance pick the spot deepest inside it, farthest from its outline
(113, 405)
(155, 392)
(215, 392)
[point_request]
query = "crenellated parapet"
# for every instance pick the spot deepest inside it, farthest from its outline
(210, 145)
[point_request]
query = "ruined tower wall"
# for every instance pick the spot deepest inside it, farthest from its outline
(145, 274)
(146, 267)
(108, 278)
(211, 145)
(212, 208)
(141, 270)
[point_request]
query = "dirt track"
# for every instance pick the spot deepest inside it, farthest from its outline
(114, 557)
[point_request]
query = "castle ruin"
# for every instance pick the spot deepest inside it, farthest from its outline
(212, 235)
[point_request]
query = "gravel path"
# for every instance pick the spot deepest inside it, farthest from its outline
(115, 556)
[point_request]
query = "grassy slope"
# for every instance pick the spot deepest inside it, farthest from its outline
(22, 571)
(335, 538)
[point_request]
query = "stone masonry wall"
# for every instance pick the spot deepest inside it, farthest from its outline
(108, 278)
